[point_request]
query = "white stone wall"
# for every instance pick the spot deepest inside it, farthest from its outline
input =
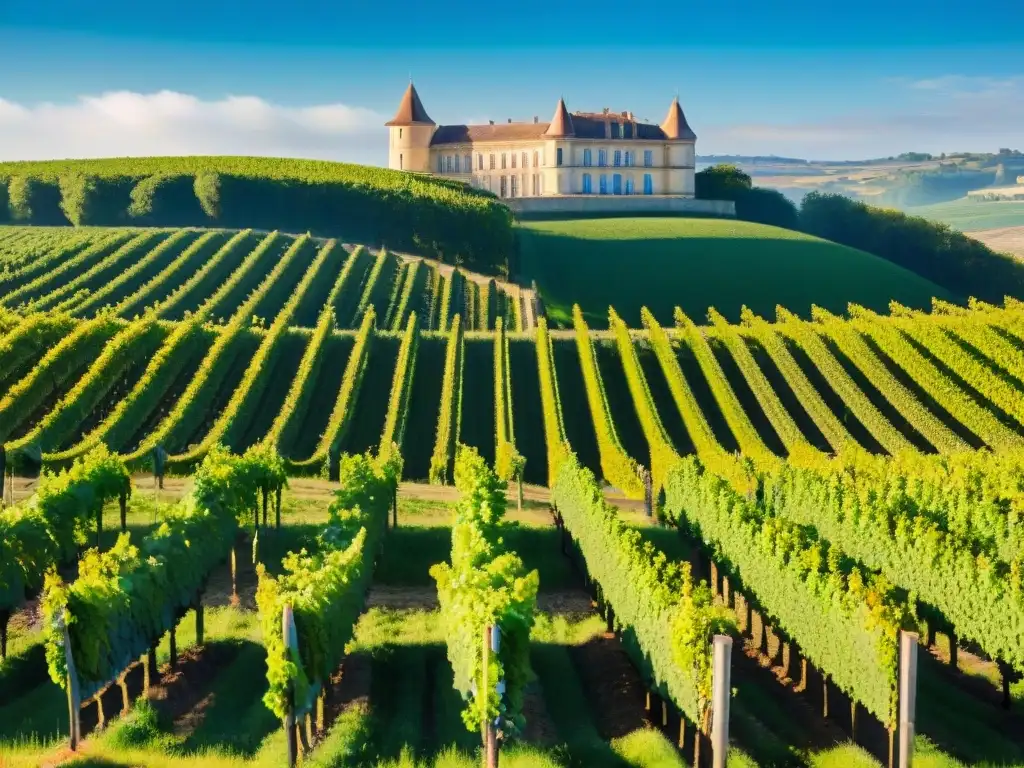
(671, 169)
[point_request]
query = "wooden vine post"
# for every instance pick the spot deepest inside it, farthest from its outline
(291, 640)
(394, 504)
(277, 508)
(492, 643)
(721, 690)
(74, 694)
(159, 463)
(648, 491)
(123, 502)
(907, 697)
(3, 474)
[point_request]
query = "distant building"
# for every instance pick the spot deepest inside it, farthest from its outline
(582, 153)
(1020, 179)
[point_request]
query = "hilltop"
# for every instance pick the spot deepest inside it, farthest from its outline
(427, 215)
(700, 263)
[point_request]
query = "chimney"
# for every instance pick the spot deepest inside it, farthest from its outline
(605, 111)
(625, 114)
(536, 119)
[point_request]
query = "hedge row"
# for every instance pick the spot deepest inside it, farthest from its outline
(435, 217)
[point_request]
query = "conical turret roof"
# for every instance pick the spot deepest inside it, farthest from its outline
(561, 123)
(411, 111)
(675, 125)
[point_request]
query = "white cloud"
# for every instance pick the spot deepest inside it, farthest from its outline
(123, 124)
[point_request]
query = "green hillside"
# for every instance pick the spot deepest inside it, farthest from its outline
(426, 215)
(699, 263)
(974, 215)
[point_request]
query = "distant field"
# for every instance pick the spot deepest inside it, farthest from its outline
(973, 215)
(699, 263)
(1004, 240)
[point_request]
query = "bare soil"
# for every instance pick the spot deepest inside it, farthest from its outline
(612, 684)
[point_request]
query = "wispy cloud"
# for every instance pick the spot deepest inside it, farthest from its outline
(941, 114)
(124, 123)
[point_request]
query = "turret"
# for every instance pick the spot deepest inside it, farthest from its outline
(411, 130)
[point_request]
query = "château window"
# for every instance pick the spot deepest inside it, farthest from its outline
(526, 158)
(603, 184)
(469, 163)
(629, 186)
(617, 158)
(628, 130)
(648, 184)
(479, 162)
(504, 161)
(399, 133)
(615, 130)
(628, 160)
(440, 163)
(586, 184)
(536, 159)
(448, 163)
(558, 156)
(492, 162)
(586, 157)
(617, 184)
(648, 158)
(536, 185)
(515, 185)
(504, 186)
(401, 165)
(602, 157)
(513, 159)
(457, 164)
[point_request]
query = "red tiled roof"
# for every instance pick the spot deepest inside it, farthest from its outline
(675, 125)
(410, 110)
(467, 134)
(561, 123)
(578, 125)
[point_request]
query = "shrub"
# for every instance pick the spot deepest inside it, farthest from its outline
(955, 261)
(208, 193)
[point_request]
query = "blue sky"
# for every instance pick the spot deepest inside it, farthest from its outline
(317, 79)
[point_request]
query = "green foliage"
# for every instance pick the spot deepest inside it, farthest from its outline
(619, 469)
(135, 340)
(775, 347)
(326, 589)
(60, 362)
(401, 390)
(509, 463)
(671, 617)
(19, 195)
(76, 189)
(207, 188)
(143, 194)
(663, 453)
(944, 528)
(980, 420)
(953, 260)
(554, 424)
(49, 528)
(694, 263)
(448, 409)
(246, 397)
(765, 206)
(485, 586)
(845, 618)
(437, 217)
(126, 598)
(807, 337)
(743, 429)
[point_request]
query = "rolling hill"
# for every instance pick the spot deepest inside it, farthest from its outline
(700, 263)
